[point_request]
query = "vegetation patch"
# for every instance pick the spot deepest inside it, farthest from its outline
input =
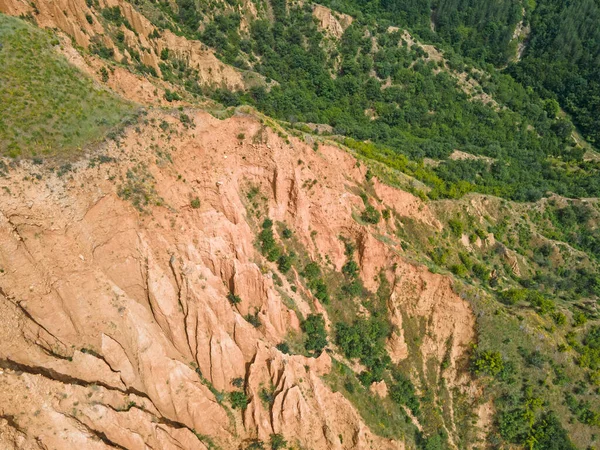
(48, 107)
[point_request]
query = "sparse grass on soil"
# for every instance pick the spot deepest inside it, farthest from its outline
(47, 106)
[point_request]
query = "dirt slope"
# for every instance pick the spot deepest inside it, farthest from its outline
(116, 328)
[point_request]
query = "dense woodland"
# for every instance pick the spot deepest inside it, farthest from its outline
(375, 86)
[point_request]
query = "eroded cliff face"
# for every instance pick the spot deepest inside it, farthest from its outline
(116, 328)
(83, 22)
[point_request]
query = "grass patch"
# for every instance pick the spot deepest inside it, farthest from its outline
(47, 106)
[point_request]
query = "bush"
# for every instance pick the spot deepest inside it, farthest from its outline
(481, 272)
(542, 304)
(277, 442)
(353, 289)
(267, 396)
(253, 319)
(488, 363)
(370, 215)
(311, 271)
(237, 382)
(365, 340)
(233, 299)
(255, 444)
(350, 269)
(195, 203)
(104, 74)
(284, 263)
(238, 400)
(579, 318)
(402, 392)
(513, 296)
(284, 347)
(559, 318)
(171, 96)
(268, 245)
(320, 292)
(459, 270)
(466, 260)
(316, 335)
(456, 226)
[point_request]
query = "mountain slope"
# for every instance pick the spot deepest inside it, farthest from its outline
(116, 309)
(203, 275)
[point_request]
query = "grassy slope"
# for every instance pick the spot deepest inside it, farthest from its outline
(46, 105)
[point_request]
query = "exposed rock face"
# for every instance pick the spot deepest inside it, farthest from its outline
(328, 22)
(116, 326)
(72, 17)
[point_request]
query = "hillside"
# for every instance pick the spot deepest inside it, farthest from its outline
(281, 225)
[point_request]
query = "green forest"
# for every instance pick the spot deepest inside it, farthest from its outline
(374, 86)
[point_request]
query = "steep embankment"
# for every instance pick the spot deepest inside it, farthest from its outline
(115, 274)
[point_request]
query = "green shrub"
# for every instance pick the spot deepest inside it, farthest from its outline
(439, 255)
(466, 260)
(559, 318)
(402, 392)
(238, 399)
(319, 289)
(103, 74)
(541, 303)
(316, 335)
(237, 382)
(579, 318)
(311, 271)
(481, 272)
(267, 396)
(284, 263)
(353, 289)
(277, 441)
(253, 319)
(284, 347)
(365, 340)
(268, 245)
(459, 270)
(195, 203)
(171, 96)
(370, 215)
(350, 269)
(456, 226)
(487, 363)
(255, 444)
(233, 299)
(513, 296)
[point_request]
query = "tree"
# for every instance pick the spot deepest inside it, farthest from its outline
(188, 16)
(316, 335)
